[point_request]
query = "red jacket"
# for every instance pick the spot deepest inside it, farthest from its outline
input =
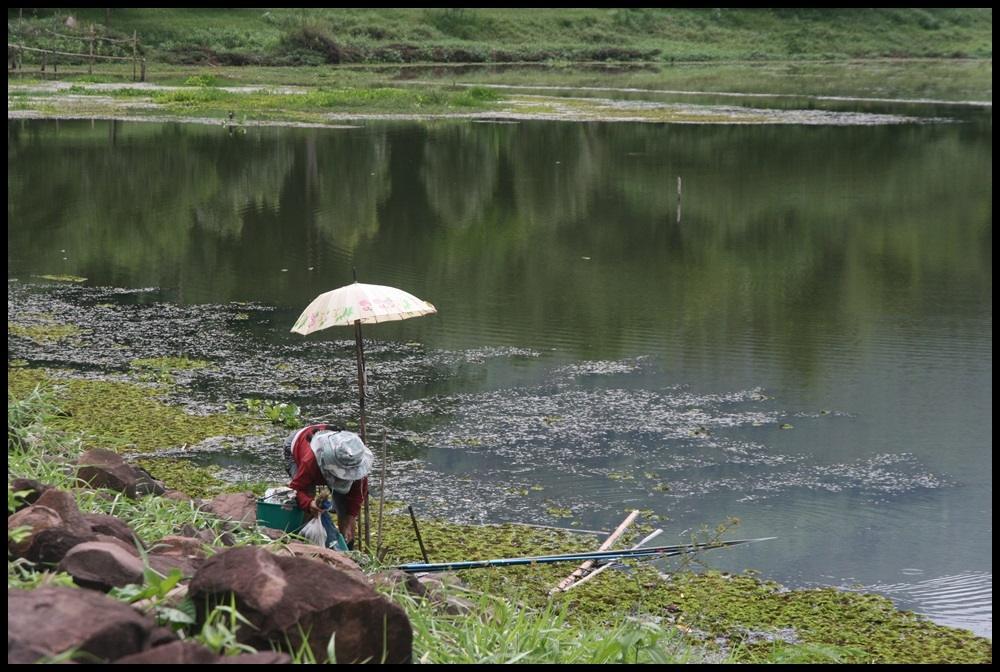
(309, 475)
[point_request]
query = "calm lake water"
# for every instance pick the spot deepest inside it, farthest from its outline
(805, 343)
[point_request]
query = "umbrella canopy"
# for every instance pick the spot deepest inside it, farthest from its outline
(362, 303)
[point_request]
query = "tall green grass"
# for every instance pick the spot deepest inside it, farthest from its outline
(497, 632)
(279, 36)
(35, 450)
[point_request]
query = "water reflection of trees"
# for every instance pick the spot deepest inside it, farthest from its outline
(789, 235)
(459, 172)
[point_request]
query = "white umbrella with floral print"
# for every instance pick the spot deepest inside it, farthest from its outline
(359, 304)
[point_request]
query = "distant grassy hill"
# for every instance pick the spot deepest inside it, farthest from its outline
(261, 36)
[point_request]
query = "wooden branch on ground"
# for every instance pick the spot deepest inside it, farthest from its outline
(582, 569)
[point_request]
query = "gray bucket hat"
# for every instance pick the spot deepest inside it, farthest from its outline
(341, 456)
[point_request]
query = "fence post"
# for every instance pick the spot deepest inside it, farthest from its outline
(142, 77)
(134, 54)
(90, 64)
(45, 59)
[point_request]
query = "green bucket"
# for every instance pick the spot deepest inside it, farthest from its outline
(286, 516)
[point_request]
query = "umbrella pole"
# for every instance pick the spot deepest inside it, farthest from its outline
(360, 347)
(360, 350)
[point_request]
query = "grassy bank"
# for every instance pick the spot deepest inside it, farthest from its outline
(494, 630)
(417, 63)
(281, 37)
(626, 616)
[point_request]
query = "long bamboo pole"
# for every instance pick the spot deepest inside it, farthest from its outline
(597, 556)
(569, 580)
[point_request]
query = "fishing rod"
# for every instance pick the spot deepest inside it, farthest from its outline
(655, 551)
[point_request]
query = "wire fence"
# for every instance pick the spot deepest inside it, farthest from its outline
(45, 56)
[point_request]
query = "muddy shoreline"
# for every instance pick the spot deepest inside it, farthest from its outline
(52, 100)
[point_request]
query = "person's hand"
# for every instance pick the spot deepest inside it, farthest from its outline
(346, 527)
(314, 509)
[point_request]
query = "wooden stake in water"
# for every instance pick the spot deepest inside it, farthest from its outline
(420, 541)
(678, 199)
(582, 569)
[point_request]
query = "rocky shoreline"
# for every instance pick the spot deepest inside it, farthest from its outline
(292, 594)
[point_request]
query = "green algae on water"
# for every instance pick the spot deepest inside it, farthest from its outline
(193, 480)
(125, 416)
(758, 621)
(46, 332)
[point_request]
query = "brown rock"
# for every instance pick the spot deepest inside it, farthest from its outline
(50, 546)
(177, 552)
(335, 559)
(284, 597)
(238, 506)
(35, 518)
(128, 548)
(101, 566)
(111, 526)
(397, 579)
(454, 605)
(164, 564)
(52, 620)
(102, 468)
(179, 546)
(34, 490)
(259, 658)
(273, 534)
(64, 503)
(174, 653)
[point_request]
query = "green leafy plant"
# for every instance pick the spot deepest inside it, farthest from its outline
(153, 592)
(706, 536)
(220, 628)
(200, 80)
(279, 413)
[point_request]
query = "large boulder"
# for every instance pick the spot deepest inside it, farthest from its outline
(100, 468)
(286, 597)
(54, 620)
(101, 566)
